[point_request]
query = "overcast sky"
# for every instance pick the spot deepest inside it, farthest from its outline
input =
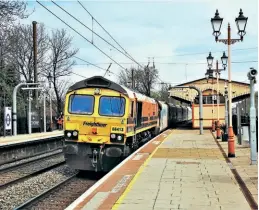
(178, 32)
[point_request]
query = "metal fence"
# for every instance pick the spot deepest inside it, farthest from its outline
(22, 125)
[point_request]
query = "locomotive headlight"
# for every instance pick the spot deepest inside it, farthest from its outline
(75, 133)
(69, 134)
(119, 138)
(113, 136)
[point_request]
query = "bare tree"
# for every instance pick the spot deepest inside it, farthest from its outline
(149, 78)
(10, 11)
(163, 92)
(144, 79)
(63, 85)
(21, 50)
(126, 77)
(60, 65)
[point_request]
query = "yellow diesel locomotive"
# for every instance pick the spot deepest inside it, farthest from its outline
(104, 122)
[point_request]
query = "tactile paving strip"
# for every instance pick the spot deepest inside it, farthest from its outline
(193, 153)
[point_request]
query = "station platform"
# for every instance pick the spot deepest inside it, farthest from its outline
(179, 169)
(29, 137)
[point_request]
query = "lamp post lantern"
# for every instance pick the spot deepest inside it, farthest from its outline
(224, 60)
(241, 22)
(210, 60)
(216, 23)
(49, 77)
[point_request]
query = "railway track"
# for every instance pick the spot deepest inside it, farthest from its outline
(62, 194)
(17, 173)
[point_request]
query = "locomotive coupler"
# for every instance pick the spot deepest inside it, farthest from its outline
(101, 155)
(94, 159)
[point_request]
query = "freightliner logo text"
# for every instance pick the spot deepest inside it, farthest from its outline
(94, 124)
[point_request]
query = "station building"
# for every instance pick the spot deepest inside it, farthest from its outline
(208, 87)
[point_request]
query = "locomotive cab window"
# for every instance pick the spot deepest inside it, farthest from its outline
(112, 106)
(81, 104)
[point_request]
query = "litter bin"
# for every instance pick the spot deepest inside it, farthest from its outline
(245, 134)
(224, 135)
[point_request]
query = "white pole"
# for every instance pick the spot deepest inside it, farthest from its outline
(44, 111)
(50, 111)
(14, 114)
(252, 124)
(29, 113)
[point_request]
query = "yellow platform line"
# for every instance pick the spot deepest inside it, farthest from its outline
(122, 197)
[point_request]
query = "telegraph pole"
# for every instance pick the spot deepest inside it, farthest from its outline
(35, 51)
(34, 24)
(132, 79)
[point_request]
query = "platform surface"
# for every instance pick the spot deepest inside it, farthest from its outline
(248, 172)
(180, 170)
(29, 137)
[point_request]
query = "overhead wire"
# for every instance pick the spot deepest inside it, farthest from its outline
(126, 53)
(175, 63)
(200, 53)
(88, 63)
(79, 75)
(92, 31)
(109, 34)
(81, 35)
(130, 57)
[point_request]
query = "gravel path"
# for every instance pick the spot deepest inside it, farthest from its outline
(23, 191)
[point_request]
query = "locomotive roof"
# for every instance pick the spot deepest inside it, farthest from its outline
(101, 82)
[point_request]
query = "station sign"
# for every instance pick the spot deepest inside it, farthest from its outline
(8, 118)
(35, 120)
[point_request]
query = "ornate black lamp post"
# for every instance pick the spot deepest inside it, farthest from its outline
(209, 74)
(241, 22)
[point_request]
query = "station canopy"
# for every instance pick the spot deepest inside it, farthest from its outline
(240, 90)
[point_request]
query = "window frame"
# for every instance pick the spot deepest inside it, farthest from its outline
(111, 97)
(80, 113)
